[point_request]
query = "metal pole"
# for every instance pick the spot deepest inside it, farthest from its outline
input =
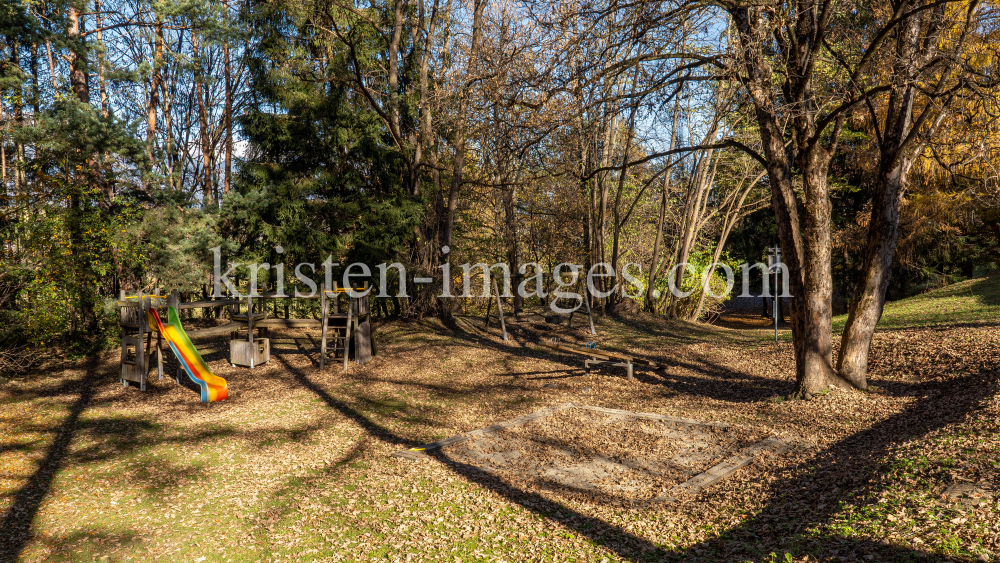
(777, 269)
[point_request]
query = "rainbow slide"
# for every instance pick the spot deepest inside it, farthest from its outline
(213, 387)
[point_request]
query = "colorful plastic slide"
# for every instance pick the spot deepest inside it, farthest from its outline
(213, 387)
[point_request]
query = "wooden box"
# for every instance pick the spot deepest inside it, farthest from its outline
(249, 354)
(133, 362)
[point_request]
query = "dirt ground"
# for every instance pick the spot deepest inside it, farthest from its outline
(298, 464)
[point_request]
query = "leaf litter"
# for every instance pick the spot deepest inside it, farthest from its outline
(297, 465)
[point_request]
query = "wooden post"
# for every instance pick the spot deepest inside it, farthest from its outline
(336, 298)
(347, 329)
(589, 316)
(250, 316)
(159, 345)
(363, 339)
(489, 305)
(140, 355)
(121, 369)
(147, 302)
(175, 302)
(569, 321)
(324, 314)
(503, 325)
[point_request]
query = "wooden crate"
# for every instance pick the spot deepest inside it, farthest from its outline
(132, 362)
(249, 354)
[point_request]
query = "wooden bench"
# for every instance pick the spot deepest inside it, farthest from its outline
(599, 357)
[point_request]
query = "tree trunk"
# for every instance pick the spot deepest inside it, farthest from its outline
(732, 215)
(617, 223)
(20, 178)
(36, 98)
(228, 109)
(170, 156)
(154, 92)
(84, 275)
(461, 119)
(869, 297)
(695, 203)
(78, 62)
(3, 156)
(883, 227)
(100, 64)
(513, 243)
(52, 65)
(80, 87)
(654, 265)
(426, 136)
(601, 229)
(203, 132)
(397, 33)
(806, 245)
(657, 242)
(816, 343)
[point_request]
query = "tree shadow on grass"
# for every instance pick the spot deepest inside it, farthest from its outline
(283, 503)
(845, 471)
(451, 328)
(674, 333)
(112, 438)
(15, 528)
(446, 390)
(84, 543)
(719, 382)
(809, 499)
(369, 426)
(549, 374)
(750, 387)
(782, 525)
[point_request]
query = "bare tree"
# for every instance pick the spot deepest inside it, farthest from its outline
(926, 70)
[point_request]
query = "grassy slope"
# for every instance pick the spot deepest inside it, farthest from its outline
(975, 301)
(905, 502)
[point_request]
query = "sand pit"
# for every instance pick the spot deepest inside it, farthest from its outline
(605, 455)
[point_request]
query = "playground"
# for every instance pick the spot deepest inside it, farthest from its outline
(412, 281)
(453, 443)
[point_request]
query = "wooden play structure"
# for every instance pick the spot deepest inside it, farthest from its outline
(597, 357)
(137, 338)
(580, 288)
(344, 323)
(566, 303)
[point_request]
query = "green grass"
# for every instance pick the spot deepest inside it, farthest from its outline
(975, 301)
(903, 503)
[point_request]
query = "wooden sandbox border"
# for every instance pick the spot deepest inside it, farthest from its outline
(721, 470)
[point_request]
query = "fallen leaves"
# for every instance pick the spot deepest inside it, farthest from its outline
(296, 464)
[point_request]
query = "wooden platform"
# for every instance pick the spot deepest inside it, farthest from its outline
(207, 304)
(286, 323)
(214, 330)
